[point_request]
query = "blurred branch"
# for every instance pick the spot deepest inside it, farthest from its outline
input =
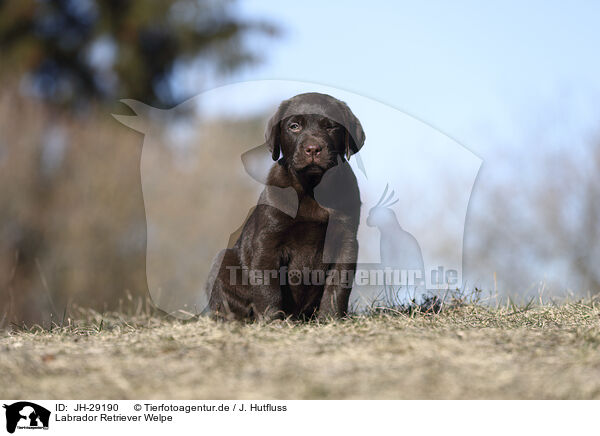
(70, 52)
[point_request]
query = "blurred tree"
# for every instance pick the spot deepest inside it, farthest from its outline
(72, 224)
(72, 51)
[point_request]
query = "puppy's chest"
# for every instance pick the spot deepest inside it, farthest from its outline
(310, 210)
(305, 235)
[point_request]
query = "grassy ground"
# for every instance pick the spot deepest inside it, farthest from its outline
(469, 352)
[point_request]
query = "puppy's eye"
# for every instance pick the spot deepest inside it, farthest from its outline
(294, 127)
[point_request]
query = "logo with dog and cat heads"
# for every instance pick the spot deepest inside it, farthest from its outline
(24, 415)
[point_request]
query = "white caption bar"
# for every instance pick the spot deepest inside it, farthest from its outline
(23, 417)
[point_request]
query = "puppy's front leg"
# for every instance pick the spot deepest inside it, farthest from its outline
(338, 287)
(266, 297)
(276, 208)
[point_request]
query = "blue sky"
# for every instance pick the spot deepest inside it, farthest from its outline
(482, 72)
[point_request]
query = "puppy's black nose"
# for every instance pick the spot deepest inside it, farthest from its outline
(312, 150)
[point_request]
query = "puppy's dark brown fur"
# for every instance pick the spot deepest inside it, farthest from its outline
(305, 221)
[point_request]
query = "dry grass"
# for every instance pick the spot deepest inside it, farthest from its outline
(468, 352)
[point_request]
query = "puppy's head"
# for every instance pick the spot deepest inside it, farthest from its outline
(311, 130)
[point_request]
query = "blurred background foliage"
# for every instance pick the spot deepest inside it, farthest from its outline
(72, 224)
(71, 51)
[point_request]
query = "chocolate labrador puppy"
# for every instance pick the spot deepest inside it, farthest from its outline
(296, 254)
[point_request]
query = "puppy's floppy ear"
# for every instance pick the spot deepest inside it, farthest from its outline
(273, 131)
(355, 135)
(273, 137)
